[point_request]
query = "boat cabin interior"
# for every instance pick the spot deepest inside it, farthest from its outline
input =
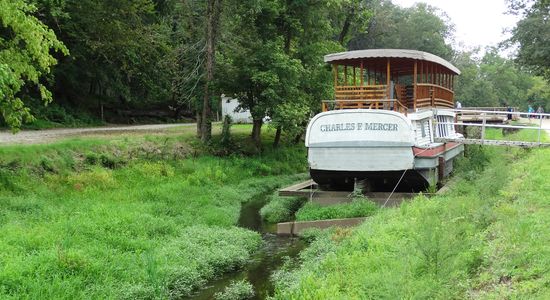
(393, 79)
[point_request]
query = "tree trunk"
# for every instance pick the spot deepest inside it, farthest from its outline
(199, 124)
(213, 11)
(257, 133)
(277, 137)
(346, 26)
(287, 43)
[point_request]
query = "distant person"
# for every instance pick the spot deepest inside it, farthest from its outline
(540, 110)
(530, 112)
(509, 109)
(458, 105)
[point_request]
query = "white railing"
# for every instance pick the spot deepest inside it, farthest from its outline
(538, 117)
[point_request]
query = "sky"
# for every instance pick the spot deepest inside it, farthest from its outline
(477, 22)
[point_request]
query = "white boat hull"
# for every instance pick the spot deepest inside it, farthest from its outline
(345, 146)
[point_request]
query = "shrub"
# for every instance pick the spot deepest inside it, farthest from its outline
(48, 165)
(237, 290)
(91, 158)
(96, 178)
(226, 131)
(155, 169)
(281, 209)
(357, 208)
(207, 175)
(110, 162)
(228, 249)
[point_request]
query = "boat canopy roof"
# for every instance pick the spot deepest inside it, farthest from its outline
(354, 58)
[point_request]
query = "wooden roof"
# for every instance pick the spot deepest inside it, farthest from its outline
(402, 60)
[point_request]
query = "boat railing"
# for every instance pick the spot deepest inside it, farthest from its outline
(433, 95)
(387, 104)
(427, 95)
(344, 92)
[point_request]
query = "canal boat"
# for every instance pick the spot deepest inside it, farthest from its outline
(382, 126)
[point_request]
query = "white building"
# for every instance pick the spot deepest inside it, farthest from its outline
(229, 107)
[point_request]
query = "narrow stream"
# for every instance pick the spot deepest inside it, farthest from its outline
(267, 259)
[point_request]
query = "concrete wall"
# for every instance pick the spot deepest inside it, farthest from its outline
(296, 227)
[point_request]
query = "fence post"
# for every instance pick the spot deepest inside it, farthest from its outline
(540, 127)
(483, 128)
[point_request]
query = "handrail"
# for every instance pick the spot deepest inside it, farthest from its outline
(362, 86)
(488, 108)
(397, 105)
(499, 112)
(435, 85)
(483, 125)
(361, 100)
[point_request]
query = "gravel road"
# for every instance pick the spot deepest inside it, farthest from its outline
(49, 135)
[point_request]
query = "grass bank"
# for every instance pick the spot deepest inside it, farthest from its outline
(283, 209)
(128, 217)
(486, 238)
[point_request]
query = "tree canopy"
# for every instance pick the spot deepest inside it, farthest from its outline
(532, 34)
(493, 81)
(25, 45)
(179, 56)
(420, 27)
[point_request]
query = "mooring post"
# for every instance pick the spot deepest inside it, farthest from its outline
(440, 169)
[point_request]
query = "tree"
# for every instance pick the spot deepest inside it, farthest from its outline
(420, 27)
(118, 52)
(539, 93)
(532, 34)
(25, 45)
(213, 12)
(272, 58)
(495, 81)
(471, 88)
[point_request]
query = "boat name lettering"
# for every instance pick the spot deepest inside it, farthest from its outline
(359, 126)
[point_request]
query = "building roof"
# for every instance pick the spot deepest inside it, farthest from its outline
(376, 54)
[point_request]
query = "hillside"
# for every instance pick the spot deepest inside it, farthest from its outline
(485, 238)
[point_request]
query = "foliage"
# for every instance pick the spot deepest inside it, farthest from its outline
(25, 45)
(517, 254)
(121, 217)
(55, 115)
(273, 48)
(420, 27)
(226, 131)
(237, 290)
(477, 240)
(134, 56)
(281, 209)
(532, 34)
(496, 81)
(357, 208)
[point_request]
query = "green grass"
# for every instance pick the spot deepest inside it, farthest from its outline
(237, 290)
(56, 116)
(357, 208)
(528, 135)
(487, 238)
(281, 209)
(127, 217)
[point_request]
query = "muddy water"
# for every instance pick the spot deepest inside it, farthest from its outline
(267, 259)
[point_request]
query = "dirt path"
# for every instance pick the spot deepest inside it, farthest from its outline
(545, 123)
(49, 135)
